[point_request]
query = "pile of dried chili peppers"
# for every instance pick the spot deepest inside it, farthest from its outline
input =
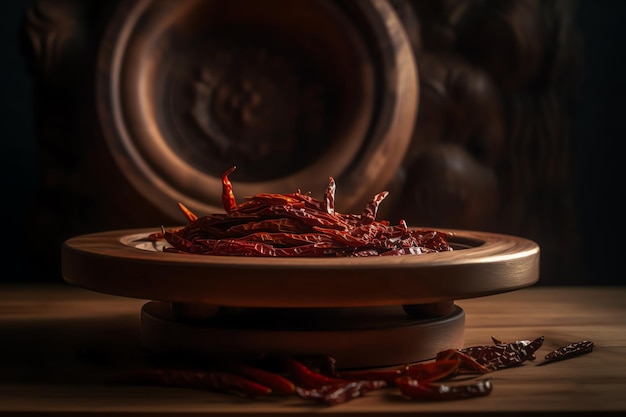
(447, 377)
(297, 224)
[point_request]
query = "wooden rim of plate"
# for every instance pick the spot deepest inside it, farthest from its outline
(125, 263)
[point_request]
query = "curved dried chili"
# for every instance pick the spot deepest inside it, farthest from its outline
(416, 390)
(493, 357)
(570, 350)
(427, 371)
(200, 379)
(340, 392)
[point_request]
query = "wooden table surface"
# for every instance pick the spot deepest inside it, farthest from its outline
(61, 346)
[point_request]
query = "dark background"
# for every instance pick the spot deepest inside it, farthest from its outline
(597, 158)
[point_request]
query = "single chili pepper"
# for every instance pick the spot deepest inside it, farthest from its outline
(467, 364)
(433, 371)
(430, 371)
(189, 215)
(277, 383)
(218, 220)
(371, 209)
(287, 239)
(519, 342)
(322, 364)
(212, 380)
(305, 377)
(181, 244)
(277, 200)
(308, 217)
(343, 237)
(228, 197)
(312, 202)
(284, 225)
(329, 196)
(340, 392)
(415, 390)
(312, 250)
(243, 247)
(500, 356)
(237, 247)
(570, 350)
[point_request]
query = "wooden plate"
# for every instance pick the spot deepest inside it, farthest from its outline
(126, 263)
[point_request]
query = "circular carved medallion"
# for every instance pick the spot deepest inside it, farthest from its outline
(289, 92)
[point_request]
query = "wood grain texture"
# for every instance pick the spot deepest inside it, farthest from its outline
(111, 262)
(63, 347)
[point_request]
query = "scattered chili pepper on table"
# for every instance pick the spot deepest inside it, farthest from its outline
(315, 377)
(338, 393)
(416, 390)
(429, 371)
(498, 356)
(202, 379)
(277, 383)
(570, 350)
(298, 224)
(305, 377)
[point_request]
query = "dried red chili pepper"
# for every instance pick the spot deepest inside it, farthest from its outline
(188, 213)
(211, 380)
(296, 224)
(329, 196)
(284, 225)
(228, 198)
(570, 350)
(467, 364)
(369, 213)
(305, 377)
(499, 356)
(429, 371)
(433, 371)
(340, 392)
(312, 385)
(277, 383)
(415, 390)
(519, 342)
(322, 364)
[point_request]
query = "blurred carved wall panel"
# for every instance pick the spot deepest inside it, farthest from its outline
(491, 148)
(459, 108)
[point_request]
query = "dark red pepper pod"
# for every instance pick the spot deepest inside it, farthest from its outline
(210, 380)
(304, 377)
(570, 350)
(339, 393)
(467, 364)
(504, 355)
(432, 391)
(426, 371)
(277, 383)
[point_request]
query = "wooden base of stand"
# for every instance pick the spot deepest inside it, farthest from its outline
(355, 337)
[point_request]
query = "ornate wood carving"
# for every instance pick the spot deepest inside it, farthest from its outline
(487, 147)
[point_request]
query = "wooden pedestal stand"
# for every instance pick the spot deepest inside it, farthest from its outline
(365, 312)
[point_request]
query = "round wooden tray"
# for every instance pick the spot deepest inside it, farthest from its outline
(126, 263)
(364, 312)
